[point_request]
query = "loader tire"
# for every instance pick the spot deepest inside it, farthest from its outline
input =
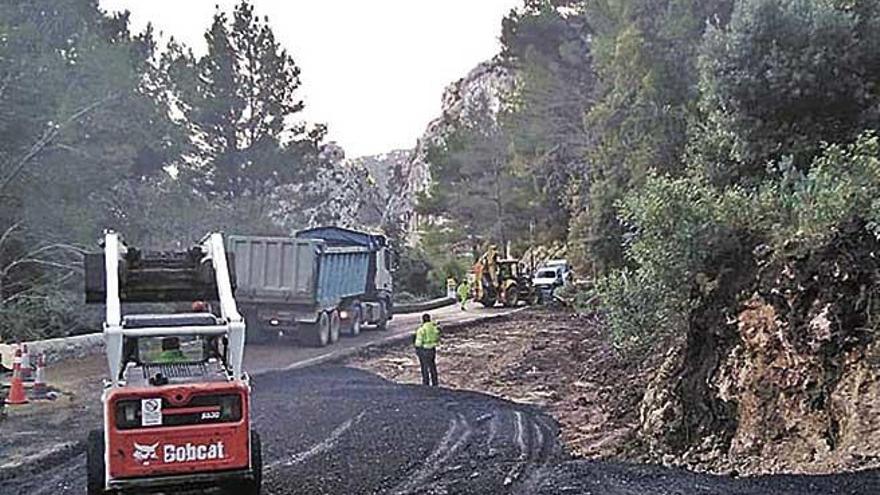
(511, 296)
(252, 486)
(95, 468)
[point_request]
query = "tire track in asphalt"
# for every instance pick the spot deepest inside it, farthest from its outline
(542, 455)
(519, 436)
(459, 431)
(323, 446)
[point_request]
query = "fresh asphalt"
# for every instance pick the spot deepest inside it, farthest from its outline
(329, 429)
(336, 430)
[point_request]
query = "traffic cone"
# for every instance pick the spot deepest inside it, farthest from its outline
(38, 391)
(16, 392)
(25, 363)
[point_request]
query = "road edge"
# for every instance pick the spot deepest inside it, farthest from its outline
(390, 341)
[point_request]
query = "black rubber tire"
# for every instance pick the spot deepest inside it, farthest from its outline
(354, 328)
(511, 296)
(254, 331)
(255, 485)
(335, 326)
(95, 470)
(318, 334)
(382, 324)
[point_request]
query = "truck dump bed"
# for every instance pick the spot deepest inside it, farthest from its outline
(343, 274)
(302, 272)
(275, 269)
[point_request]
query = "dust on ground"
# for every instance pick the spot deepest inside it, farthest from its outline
(559, 361)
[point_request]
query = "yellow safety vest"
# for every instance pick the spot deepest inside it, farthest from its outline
(427, 336)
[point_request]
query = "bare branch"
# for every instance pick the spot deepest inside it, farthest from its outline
(48, 136)
(37, 261)
(8, 233)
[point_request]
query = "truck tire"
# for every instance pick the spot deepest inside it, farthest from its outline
(382, 322)
(251, 486)
(254, 331)
(335, 326)
(354, 328)
(95, 463)
(318, 334)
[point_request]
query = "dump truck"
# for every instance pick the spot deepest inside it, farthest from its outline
(313, 286)
(177, 402)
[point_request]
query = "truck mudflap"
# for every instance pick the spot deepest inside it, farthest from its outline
(160, 452)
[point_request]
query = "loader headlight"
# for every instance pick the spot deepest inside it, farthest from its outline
(128, 414)
(344, 315)
(274, 323)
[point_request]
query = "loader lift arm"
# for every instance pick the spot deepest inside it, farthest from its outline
(121, 274)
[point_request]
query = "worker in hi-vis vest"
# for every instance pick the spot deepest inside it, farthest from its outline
(427, 339)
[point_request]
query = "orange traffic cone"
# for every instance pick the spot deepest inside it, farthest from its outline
(16, 392)
(25, 363)
(38, 391)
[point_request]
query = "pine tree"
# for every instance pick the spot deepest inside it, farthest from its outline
(240, 102)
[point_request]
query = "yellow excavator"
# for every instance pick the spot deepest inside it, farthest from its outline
(501, 280)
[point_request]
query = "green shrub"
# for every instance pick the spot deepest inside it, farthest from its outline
(681, 228)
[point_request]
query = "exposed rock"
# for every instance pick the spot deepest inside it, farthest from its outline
(801, 375)
(351, 193)
(661, 411)
(380, 171)
(488, 82)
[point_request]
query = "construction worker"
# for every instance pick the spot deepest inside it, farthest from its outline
(171, 352)
(464, 291)
(427, 339)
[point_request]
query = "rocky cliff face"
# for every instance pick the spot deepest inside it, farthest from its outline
(795, 370)
(380, 171)
(488, 82)
(351, 193)
(379, 192)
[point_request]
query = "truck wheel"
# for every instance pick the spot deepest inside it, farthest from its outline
(252, 486)
(335, 325)
(318, 333)
(254, 332)
(354, 329)
(382, 323)
(95, 463)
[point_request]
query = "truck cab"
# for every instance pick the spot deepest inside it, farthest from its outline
(177, 402)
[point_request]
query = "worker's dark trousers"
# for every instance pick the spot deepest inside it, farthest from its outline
(428, 362)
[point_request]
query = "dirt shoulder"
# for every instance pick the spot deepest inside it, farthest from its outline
(558, 361)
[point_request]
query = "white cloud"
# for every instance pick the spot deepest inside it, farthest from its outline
(374, 70)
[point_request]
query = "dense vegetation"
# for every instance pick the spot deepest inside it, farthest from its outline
(101, 127)
(667, 142)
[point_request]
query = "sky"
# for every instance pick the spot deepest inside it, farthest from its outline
(373, 70)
